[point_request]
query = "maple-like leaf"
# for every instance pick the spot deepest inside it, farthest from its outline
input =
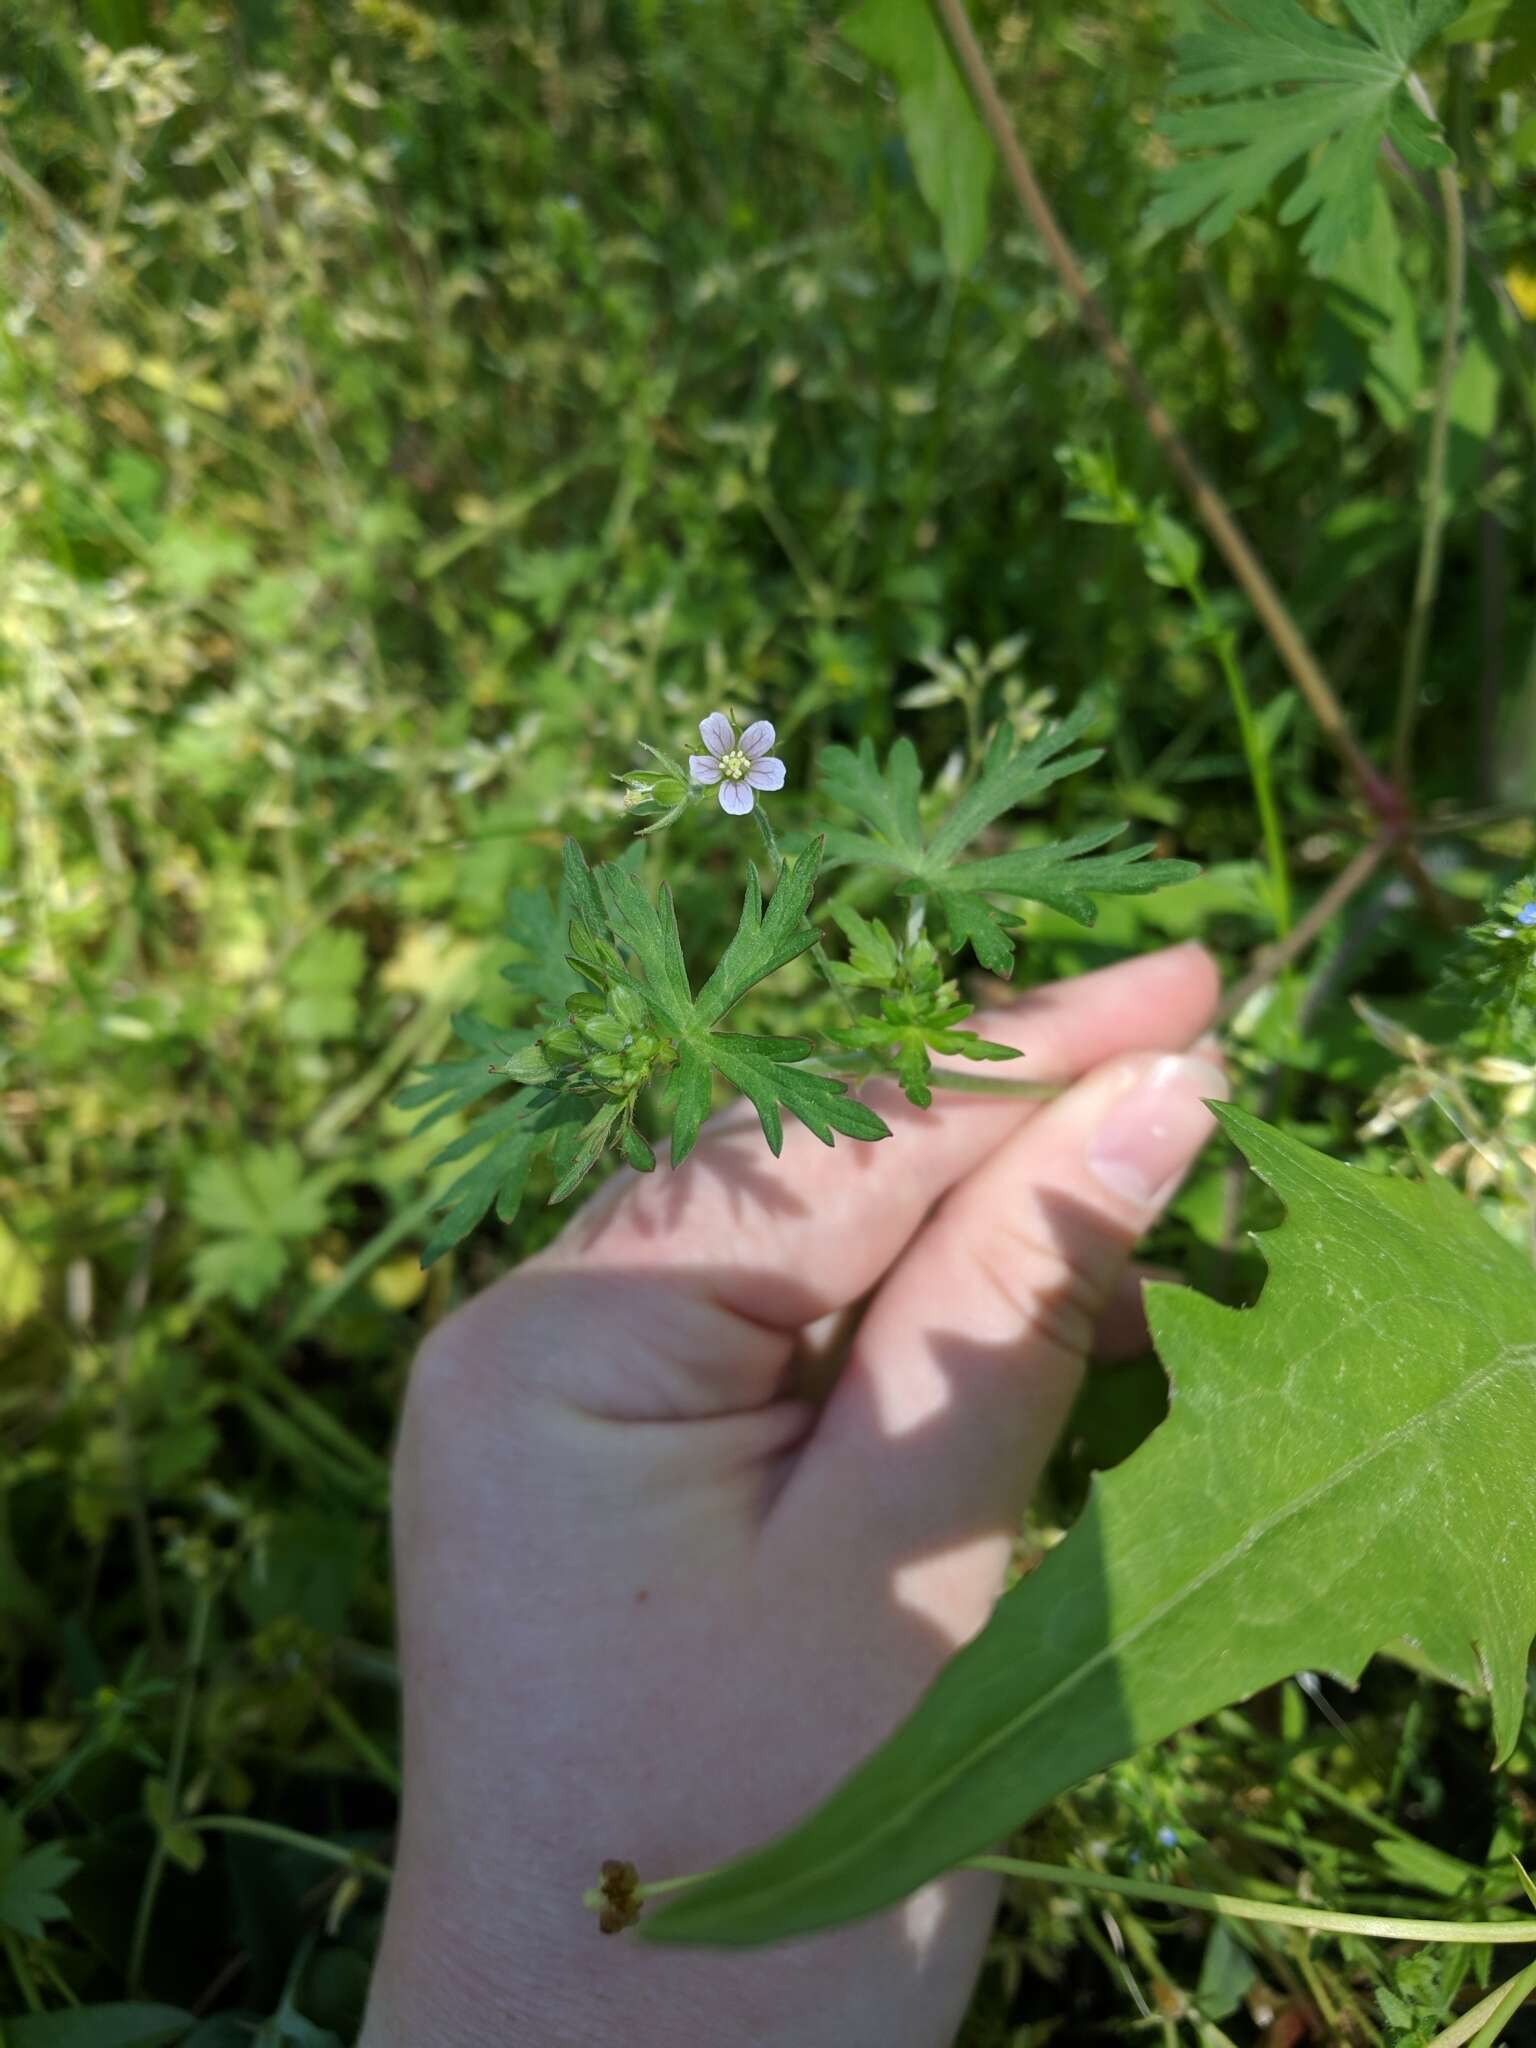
(1345, 1464)
(30, 1880)
(1066, 874)
(1281, 85)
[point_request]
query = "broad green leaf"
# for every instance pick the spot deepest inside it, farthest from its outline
(1057, 874)
(1282, 86)
(951, 155)
(1345, 1464)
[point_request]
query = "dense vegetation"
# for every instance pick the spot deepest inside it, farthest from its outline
(407, 413)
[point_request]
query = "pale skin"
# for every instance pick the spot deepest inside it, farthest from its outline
(692, 1506)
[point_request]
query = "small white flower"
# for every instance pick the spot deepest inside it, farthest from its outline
(740, 767)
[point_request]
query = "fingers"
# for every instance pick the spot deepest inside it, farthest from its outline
(785, 1241)
(969, 1356)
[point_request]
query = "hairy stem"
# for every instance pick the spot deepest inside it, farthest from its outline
(1426, 580)
(1275, 959)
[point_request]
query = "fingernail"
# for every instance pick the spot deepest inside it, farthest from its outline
(1144, 1145)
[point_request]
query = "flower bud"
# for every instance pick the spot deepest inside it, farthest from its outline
(530, 1065)
(605, 1031)
(628, 1005)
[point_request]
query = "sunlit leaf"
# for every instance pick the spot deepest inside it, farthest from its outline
(1345, 1464)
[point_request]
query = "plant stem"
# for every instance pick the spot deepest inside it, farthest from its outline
(290, 1838)
(1427, 578)
(1255, 752)
(1236, 550)
(1275, 959)
(320, 1304)
(818, 951)
(1233, 1907)
(1380, 795)
(21, 1970)
(359, 1740)
(202, 1609)
(333, 1434)
(1520, 1932)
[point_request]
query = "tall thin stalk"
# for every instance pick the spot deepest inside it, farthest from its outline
(1255, 753)
(202, 1609)
(1426, 580)
(1380, 794)
(1215, 516)
(1274, 1913)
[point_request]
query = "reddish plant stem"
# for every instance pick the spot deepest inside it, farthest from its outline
(1383, 797)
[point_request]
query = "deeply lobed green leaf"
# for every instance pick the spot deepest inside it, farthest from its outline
(1282, 86)
(1057, 874)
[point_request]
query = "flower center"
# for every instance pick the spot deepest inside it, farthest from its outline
(734, 765)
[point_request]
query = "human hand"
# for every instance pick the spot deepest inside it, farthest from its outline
(657, 1597)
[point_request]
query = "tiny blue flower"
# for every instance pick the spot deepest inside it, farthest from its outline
(1526, 914)
(1168, 1837)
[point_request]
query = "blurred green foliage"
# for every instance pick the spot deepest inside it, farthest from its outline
(403, 414)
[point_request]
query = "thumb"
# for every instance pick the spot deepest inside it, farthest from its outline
(970, 1354)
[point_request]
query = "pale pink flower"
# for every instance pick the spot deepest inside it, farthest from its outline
(740, 767)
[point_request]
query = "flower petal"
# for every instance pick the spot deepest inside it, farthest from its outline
(736, 798)
(768, 774)
(757, 739)
(704, 768)
(715, 731)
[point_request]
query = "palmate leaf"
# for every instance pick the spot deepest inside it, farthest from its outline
(30, 1879)
(1346, 1464)
(1060, 875)
(1281, 85)
(763, 1069)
